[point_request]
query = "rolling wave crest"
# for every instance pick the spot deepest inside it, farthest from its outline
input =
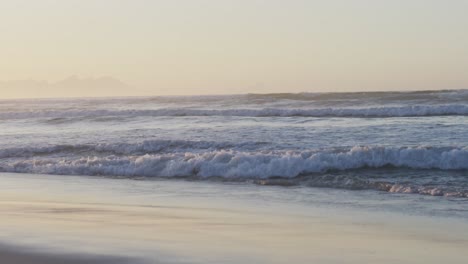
(243, 164)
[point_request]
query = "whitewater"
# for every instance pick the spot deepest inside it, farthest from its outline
(389, 142)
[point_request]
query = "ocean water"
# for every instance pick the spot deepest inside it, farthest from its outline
(412, 143)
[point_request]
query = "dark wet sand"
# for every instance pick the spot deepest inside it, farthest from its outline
(10, 255)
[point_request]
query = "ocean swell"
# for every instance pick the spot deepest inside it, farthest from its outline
(138, 148)
(387, 111)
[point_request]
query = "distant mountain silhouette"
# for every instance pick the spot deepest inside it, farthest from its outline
(72, 86)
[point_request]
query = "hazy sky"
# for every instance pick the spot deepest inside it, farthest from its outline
(233, 46)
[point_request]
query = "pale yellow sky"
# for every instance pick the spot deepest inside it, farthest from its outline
(232, 46)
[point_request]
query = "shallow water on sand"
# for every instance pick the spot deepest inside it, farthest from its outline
(167, 221)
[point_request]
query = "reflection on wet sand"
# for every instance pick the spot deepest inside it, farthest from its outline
(167, 228)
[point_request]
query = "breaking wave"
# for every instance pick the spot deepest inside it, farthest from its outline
(227, 161)
(232, 163)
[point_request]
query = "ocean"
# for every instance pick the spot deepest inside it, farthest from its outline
(391, 145)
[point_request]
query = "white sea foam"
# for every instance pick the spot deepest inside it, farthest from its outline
(332, 168)
(240, 164)
(426, 190)
(384, 111)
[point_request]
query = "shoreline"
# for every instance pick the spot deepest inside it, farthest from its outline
(81, 218)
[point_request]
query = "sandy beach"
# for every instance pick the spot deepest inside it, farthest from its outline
(9, 254)
(57, 219)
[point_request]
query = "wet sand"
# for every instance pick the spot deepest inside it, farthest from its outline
(57, 219)
(9, 254)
